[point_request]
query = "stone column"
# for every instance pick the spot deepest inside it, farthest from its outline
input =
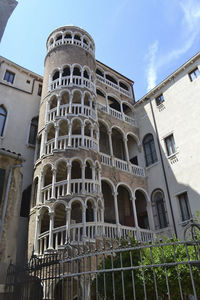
(121, 108)
(82, 103)
(43, 141)
(53, 183)
(82, 135)
(107, 105)
(58, 106)
(95, 220)
(69, 169)
(51, 225)
(60, 77)
(40, 186)
(70, 103)
(37, 232)
(84, 221)
(126, 148)
(56, 136)
(93, 180)
(110, 142)
(83, 178)
(47, 112)
(68, 214)
(70, 135)
(117, 213)
(134, 211)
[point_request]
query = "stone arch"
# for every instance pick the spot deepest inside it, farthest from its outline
(124, 85)
(66, 70)
(76, 96)
(125, 206)
(47, 171)
(59, 214)
(63, 127)
(65, 97)
(68, 34)
(114, 102)
(50, 132)
(141, 203)
(87, 128)
(104, 145)
(133, 149)
(44, 219)
(55, 74)
(76, 171)
(87, 98)
(109, 205)
(77, 70)
(111, 78)
(53, 102)
(90, 210)
(76, 126)
(118, 146)
(61, 170)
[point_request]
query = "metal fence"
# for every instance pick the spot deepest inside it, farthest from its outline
(103, 269)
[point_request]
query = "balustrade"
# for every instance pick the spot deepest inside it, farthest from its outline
(122, 165)
(71, 41)
(113, 85)
(72, 81)
(106, 230)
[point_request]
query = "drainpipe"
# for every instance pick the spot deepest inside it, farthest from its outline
(6, 197)
(163, 167)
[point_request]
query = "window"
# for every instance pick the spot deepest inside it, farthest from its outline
(159, 211)
(184, 206)
(194, 74)
(160, 99)
(33, 131)
(2, 179)
(9, 76)
(149, 150)
(170, 145)
(39, 90)
(3, 114)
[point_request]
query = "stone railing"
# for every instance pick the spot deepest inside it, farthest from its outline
(71, 41)
(122, 165)
(62, 189)
(69, 81)
(113, 85)
(92, 230)
(74, 141)
(116, 114)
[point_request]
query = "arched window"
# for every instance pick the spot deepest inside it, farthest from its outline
(159, 210)
(3, 115)
(33, 131)
(149, 149)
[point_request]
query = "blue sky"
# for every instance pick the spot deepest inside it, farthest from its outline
(145, 40)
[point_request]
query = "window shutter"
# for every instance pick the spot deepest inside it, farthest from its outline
(2, 179)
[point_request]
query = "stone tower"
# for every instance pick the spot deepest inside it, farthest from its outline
(87, 171)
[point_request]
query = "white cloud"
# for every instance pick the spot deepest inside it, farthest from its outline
(151, 70)
(190, 31)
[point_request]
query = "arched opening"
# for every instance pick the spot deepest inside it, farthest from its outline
(125, 207)
(66, 71)
(61, 171)
(132, 150)
(124, 86)
(77, 37)
(118, 144)
(87, 129)
(99, 72)
(76, 212)
(51, 41)
(55, 75)
(88, 170)
(68, 35)
(50, 132)
(64, 98)
(87, 99)
(3, 115)
(141, 208)
(159, 209)
(34, 192)
(85, 41)
(109, 212)
(47, 175)
(110, 78)
(89, 212)
(76, 127)
(33, 131)
(59, 215)
(127, 111)
(53, 102)
(113, 103)
(101, 98)
(76, 97)
(59, 37)
(77, 71)
(86, 74)
(104, 146)
(44, 220)
(63, 128)
(76, 170)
